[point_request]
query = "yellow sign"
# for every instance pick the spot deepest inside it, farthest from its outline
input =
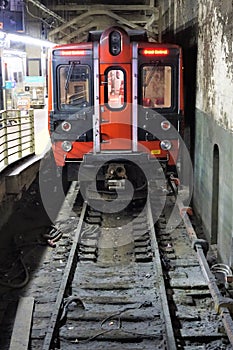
(155, 151)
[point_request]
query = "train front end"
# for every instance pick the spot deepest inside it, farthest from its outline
(116, 110)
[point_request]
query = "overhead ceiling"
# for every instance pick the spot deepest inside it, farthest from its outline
(71, 21)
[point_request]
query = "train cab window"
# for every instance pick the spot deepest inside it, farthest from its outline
(156, 86)
(74, 86)
(115, 88)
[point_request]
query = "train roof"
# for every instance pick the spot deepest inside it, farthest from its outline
(134, 35)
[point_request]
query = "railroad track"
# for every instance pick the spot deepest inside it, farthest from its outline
(121, 282)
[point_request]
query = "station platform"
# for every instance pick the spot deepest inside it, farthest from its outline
(18, 177)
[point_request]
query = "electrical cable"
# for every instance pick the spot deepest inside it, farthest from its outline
(18, 285)
(119, 324)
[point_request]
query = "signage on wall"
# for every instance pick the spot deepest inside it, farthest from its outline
(4, 4)
(11, 15)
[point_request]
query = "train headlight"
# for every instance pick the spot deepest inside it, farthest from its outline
(115, 43)
(66, 126)
(165, 125)
(165, 145)
(66, 146)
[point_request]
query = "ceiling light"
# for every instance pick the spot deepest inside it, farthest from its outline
(29, 40)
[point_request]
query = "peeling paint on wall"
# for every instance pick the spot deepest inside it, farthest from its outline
(215, 52)
(213, 120)
(215, 62)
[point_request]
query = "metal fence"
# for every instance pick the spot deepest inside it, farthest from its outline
(16, 136)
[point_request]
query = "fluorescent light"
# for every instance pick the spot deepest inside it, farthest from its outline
(29, 40)
(2, 35)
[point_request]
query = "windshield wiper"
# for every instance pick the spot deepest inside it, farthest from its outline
(70, 70)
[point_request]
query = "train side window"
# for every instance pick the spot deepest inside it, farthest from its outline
(156, 86)
(115, 88)
(74, 86)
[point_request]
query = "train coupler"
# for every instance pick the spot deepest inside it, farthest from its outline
(116, 184)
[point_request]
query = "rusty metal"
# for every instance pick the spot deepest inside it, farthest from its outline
(224, 306)
(121, 292)
(157, 261)
(66, 276)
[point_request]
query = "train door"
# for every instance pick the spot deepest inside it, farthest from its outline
(115, 92)
(115, 112)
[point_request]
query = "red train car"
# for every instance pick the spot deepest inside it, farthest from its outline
(115, 107)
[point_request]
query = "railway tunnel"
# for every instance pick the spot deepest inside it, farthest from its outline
(204, 32)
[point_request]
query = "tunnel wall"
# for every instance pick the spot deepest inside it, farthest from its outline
(208, 27)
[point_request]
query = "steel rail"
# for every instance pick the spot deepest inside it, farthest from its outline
(222, 304)
(66, 277)
(171, 343)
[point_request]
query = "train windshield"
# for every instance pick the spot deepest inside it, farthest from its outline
(74, 86)
(156, 86)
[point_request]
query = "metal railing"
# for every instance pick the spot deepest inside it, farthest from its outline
(17, 139)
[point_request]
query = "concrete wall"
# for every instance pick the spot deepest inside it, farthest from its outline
(215, 61)
(214, 120)
(209, 134)
(208, 25)
(178, 14)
